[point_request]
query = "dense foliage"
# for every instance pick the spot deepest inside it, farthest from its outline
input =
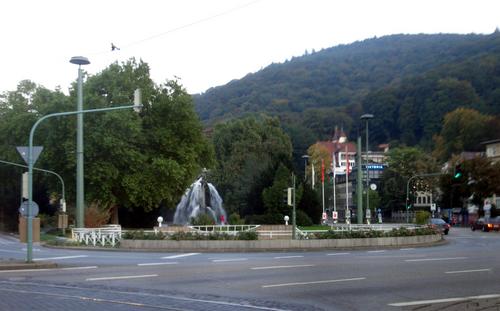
(132, 161)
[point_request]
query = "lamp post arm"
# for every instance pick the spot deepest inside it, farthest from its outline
(41, 170)
(29, 256)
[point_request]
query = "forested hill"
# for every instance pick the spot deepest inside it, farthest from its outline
(314, 92)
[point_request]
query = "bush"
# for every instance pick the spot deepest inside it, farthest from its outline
(247, 235)
(331, 234)
(95, 216)
(141, 235)
(302, 218)
(422, 217)
(203, 220)
(235, 219)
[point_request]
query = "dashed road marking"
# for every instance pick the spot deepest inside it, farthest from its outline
(157, 263)
(287, 257)
(313, 282)
(281, 267)
(444, 300)
(229, 260)
(180, 256)
(49, 269)
(59, 258)
(337, 254)
(468, 271)
(435, 259)
(378, 251)
(123, 277)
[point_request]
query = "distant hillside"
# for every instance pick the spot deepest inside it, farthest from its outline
(407, 81)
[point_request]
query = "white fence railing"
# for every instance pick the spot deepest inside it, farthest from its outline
(229, 229)
(110, 234)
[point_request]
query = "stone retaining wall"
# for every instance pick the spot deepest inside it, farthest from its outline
(269, 245)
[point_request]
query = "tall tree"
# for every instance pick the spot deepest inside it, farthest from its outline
(248, 151)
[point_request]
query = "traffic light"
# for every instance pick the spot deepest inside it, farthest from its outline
(458, 172)
(287, 198)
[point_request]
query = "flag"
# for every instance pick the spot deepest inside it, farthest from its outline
(322, 170)
(313, 177)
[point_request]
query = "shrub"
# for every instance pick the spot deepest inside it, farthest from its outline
(96, 216)
(203, 220)
(235, 219)
(141, 235)
(302, 219)
(422, 217)
(247, 235)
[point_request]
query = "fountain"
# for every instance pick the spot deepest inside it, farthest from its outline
(201, 197)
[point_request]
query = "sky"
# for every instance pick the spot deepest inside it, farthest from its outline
(207, 43)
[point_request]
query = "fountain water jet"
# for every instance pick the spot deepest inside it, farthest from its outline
(200, 198)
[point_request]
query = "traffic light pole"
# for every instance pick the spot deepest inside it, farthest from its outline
(294, 222)
(408, 191)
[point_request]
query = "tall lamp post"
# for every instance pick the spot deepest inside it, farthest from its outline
(366, 117)
(80, 223)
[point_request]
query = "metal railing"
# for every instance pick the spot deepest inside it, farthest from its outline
(110, 234)
(228, 229)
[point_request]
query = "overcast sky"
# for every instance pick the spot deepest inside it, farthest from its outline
(207, 43)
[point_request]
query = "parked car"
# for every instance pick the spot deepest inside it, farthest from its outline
(439, 224)
(486, 224)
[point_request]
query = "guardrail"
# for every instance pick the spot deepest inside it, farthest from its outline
(228, 229)
(110, 234)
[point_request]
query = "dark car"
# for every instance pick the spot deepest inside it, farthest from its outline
(439, 224)
(486, 224)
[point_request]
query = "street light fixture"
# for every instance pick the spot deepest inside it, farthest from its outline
(367, 118)
(80, 223)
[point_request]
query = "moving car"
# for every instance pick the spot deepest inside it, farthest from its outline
(486, 224)
(439, 224)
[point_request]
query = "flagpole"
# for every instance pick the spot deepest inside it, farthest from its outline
(334, 174)
(313, 177)
(347, 183)
(323, 183)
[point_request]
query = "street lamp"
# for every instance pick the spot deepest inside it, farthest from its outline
(136, 105)
(79, 60)
(367, 118)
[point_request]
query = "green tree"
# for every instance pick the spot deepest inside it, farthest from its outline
(463, 130)
(248, 152)
(403, 163)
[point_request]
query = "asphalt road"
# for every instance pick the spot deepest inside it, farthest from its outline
(463, 274)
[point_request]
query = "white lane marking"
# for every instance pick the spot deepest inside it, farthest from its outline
(35, 249)
(286, 257)
(123, 277)
(180, 256)
(281, 267)
(468, 271)
(51, 269)
(313, 282)
(380, 251)
(337, 254)
(228, 260)
(62, 257)
(435, 259)
(157, 263)
(444, 300)
(407, 249)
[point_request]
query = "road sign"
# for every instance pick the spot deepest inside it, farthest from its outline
(324, 216)
(433, 207)
(335, 215)
(23, 151)
(23, 209)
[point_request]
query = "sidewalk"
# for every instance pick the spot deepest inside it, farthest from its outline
(23, 265)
